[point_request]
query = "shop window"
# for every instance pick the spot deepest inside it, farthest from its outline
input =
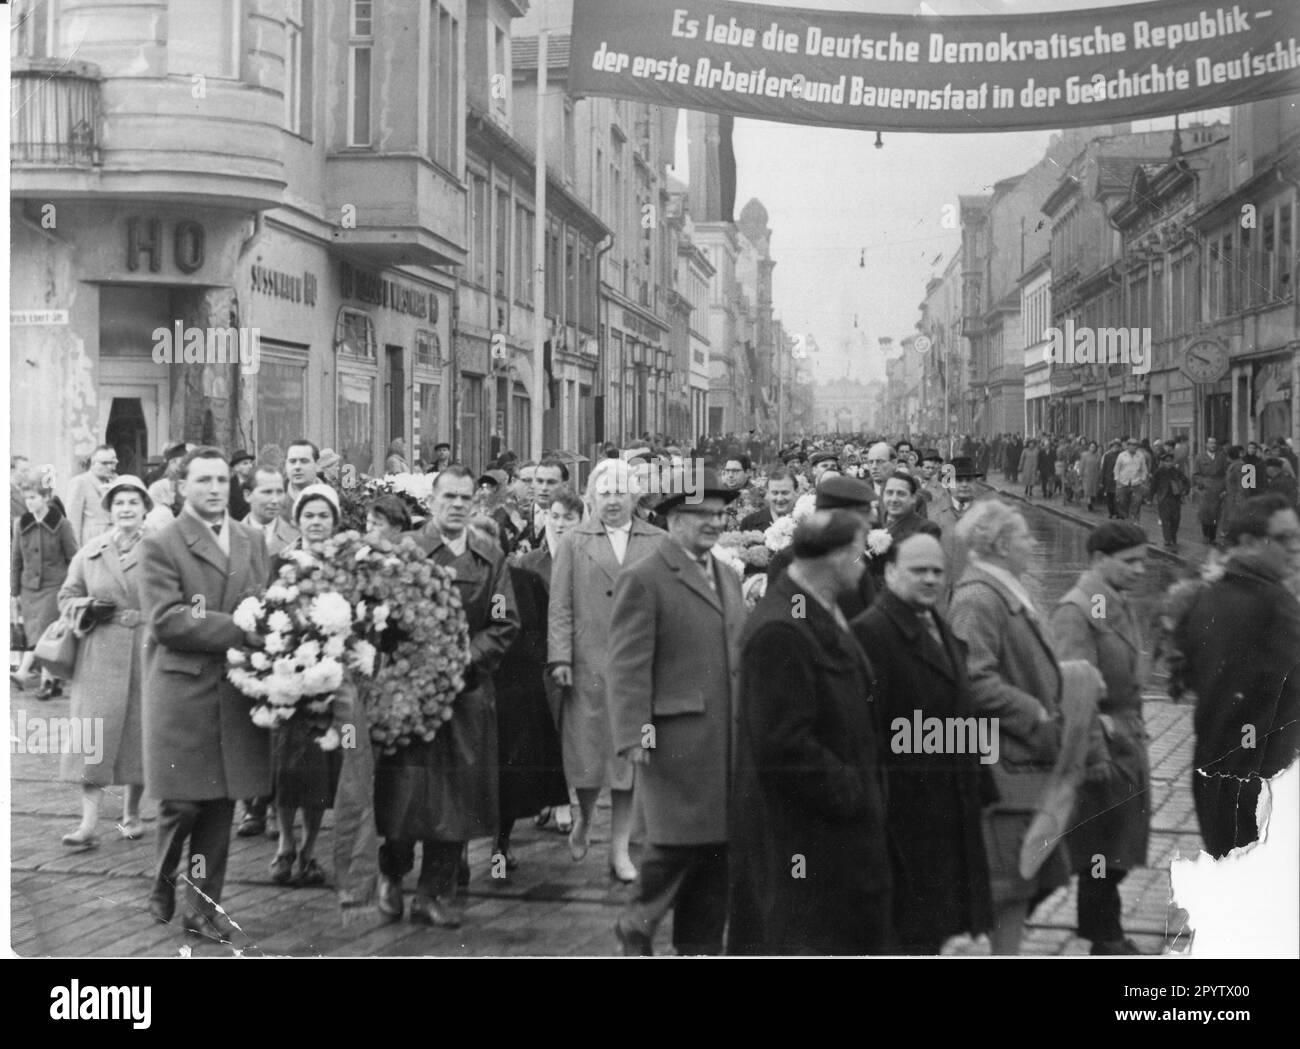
(203, 38)
(427, 418)
(281, 396)
(355, 424)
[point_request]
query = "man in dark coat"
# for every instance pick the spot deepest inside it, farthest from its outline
(810, 860)
(672, 683)
(1241, 644)
(941, 874)
(779, 496)
(443, 793)
(201, 748)
(1108, 486)
(839, 493)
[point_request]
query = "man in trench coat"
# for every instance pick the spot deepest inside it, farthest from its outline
(201, 748)
(1112, 816)
(444, 793)
(673, 677)
(808, 844)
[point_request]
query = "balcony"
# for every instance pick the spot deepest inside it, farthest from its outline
(407, 210)
(55, 115)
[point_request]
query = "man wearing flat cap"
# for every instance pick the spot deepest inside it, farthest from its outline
(672, 687)
(822, 463)
(839, 493)
(949, 509)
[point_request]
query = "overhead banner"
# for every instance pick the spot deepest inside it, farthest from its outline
(967, 73)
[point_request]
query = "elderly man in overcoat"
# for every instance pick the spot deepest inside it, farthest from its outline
(941, 874)
(1015, 677)
(588, 562)
(201, 748)
(444, 793)
(1095, 622)
(809, 852)
(672, 680)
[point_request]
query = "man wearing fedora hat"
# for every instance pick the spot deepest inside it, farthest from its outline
(672, 688)
(950, 507)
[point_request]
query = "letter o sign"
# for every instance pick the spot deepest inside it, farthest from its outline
(189, 246)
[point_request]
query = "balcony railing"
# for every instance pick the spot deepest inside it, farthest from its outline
(54, 115)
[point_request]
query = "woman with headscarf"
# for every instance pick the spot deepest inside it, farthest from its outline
(303, 776)
(102, 591)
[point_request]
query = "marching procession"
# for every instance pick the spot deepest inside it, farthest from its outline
(830, 716)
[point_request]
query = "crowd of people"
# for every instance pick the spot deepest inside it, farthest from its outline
(848, 740)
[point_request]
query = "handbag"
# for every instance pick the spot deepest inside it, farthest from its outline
(56, 650)
(17, 637)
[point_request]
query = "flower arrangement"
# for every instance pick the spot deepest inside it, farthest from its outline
(308, 643)
(878, 541)
(411, 606)
(413, 489)
(780, 532)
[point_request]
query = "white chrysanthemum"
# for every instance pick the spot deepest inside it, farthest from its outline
(247, 614)
(804, 506)
(878, 541)
(778, 535)
(279, 622)
(362, 657)
(331, 613)
(235, 657)
(308, 653)
(334, 646)
(304, 559)
(360, 614)
(330, 740)
(275, 643)
(279, 593)
(263, 717)
(727, 555)
(325, 676)
(381, 616)
(260, 660)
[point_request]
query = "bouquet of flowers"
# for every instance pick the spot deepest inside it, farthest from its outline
(781, 531)
(308, 644)
(746, 548)
(413, 489)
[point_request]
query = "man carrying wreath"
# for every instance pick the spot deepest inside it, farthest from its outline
(444, 792)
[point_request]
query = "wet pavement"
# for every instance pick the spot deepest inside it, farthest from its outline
(94, 903)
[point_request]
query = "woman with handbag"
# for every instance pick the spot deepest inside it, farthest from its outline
(43, 547)
(102, 598)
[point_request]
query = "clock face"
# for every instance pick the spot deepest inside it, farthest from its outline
(1205, 361)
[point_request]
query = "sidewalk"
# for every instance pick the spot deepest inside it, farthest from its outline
(1192, 548)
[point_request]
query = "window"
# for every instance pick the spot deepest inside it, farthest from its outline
(203, 38)
(355, 334)
(428, 349)
(471, 421)
(479, 229)
(587, 292)
(501, 222)
(298, 67)
(554, 302)
(523, 255)
(570, 141)
(355, 426)
(428, 396)
(32, 29)
(360, 47)
(500, 68)
(570, 277)
(281, 395)
(444, 86)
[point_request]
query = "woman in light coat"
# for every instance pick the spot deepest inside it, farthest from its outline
(588, 560)
(106, 685)
(43, 548)
(1090, 471)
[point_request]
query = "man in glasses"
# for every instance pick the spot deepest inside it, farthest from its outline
(1239, 643)
(85, 495)
(672, 686)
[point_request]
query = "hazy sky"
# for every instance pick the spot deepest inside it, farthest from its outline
(830, 194)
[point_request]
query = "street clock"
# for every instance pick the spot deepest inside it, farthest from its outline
(1206, 361)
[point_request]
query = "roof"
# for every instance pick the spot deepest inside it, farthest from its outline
(1115, 174)
(523, 51)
